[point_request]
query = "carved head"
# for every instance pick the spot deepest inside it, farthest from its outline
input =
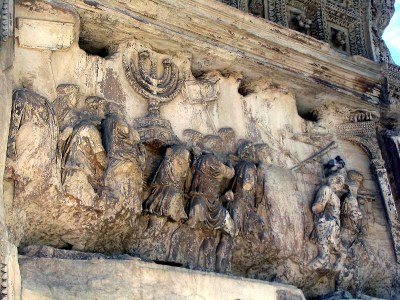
(192, 137)
(264, 153)
(246, 150)
(212, 143)
(354, 181)
(179, 158)
(123, 131)
(339, 38)
(228, 137)
(68, 93)
(336, 182)
(256, 7)
(97, 105)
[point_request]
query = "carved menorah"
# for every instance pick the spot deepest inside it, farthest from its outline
(146, 81)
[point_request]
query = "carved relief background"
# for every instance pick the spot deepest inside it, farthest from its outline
(135, 153)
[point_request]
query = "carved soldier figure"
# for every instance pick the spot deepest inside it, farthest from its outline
(32, 144)
(265, 158)
(334, 165)
(243, 208)
(65, 105)
(205, 209)
(83, 163)
(351, 215)
(351, 227)
(83, 155)
(326, 210)
(167, 187)
(124, 174)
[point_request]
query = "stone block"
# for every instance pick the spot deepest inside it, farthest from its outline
(51, 278)
(42, 34)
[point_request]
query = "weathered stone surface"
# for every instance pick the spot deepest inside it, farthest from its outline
(54, 278)
(209, 139)
(44, 34)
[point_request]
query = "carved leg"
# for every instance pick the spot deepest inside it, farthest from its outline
(224, 255)
(325, 241)
(207, 253)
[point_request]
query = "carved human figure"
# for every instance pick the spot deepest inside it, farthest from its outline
(351, 216)
(167, 188)
(83, 163)
(80, 144)
(32, 144)
(65, 105)
(326, 210)
(205, 208)
(228, 138)
(243, 207)
(351, 227)
(124, 173)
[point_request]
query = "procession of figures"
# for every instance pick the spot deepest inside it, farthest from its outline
(94, 157)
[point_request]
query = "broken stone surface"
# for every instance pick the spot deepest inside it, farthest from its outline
(209, 139)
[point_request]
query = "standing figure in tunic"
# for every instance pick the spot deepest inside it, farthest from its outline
(167, 188)
(32, 144)
(83, 163)
(326, 210)
(350, 231)
(123, 180)
(243, 207)
(83, 158)
(351, 215)
(205, 208)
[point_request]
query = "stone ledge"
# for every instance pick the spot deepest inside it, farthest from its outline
(53, 278)
(238, 39)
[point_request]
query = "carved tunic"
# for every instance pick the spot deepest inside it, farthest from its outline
(83, 163)
(206, 210)
(327, 210)
(124, 173)
(166, 198)
(33, 138)
(351, 213)
(242, 209)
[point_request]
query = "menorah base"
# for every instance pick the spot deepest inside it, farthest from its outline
(155, 132)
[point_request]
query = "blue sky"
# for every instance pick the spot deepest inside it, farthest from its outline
(392, 34)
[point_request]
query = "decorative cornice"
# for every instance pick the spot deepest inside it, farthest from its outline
(235, 36)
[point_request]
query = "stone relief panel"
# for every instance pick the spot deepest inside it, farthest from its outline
(140, 157)
(210, 197)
